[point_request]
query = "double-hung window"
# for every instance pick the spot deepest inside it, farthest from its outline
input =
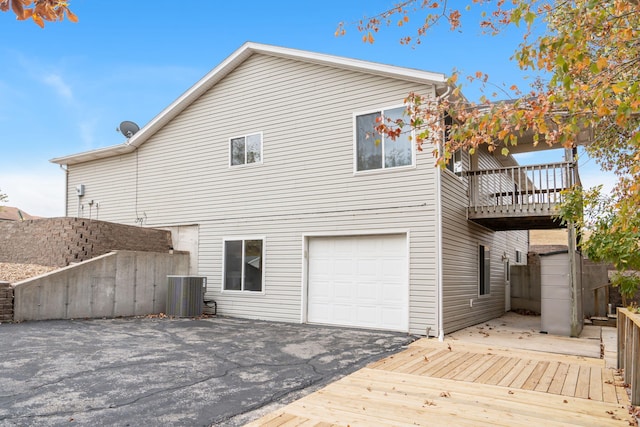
(246, 149)
(376, 151)
(243, 265)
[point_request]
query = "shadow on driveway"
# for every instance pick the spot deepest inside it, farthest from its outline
(171, 371)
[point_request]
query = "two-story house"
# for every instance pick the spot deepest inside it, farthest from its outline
(266, 171)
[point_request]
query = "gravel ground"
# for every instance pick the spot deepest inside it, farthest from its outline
(16, 272)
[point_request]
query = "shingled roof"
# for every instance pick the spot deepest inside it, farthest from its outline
(9, 213)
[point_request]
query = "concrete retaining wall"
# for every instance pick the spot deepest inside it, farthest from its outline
(57, 242)
(121, 283)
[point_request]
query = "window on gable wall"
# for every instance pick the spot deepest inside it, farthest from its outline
(375, 151)
(455, 161)
(484, 270)
(245, 149)
(243, 265)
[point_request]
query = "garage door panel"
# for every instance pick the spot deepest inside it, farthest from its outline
(393, 296)
(391, 317)
(368, 293)
(319, 294)
(343, 292)
(364, 282)
(390, 267)
(343, 267)
(318, 310)
(342, 313)
(368, 316)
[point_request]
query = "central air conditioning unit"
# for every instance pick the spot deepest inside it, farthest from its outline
(185, 295)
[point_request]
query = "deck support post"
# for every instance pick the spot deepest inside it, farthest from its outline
(576, 326)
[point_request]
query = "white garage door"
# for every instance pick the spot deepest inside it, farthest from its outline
(359, 281)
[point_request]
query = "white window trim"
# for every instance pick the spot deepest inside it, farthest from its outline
(459, 174)
(264, 265)
(355, 145)
(487, 248)
(245, 164)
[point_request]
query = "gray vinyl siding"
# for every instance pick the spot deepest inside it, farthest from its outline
(461, 239)
(305, 186)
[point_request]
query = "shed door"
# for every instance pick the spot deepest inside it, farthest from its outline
(359, 281)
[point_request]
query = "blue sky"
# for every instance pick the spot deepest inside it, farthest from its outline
(64, 89)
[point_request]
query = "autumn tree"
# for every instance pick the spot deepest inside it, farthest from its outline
(3, 198)
(39, 10)
(587, 53)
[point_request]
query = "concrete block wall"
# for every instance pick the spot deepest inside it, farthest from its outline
(6, 302)
(57, 242)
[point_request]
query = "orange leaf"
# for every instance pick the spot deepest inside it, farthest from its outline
(17, 9)
(38, 20)
(602, 62)
(72, 17)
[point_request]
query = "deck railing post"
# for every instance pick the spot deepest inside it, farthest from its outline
(628, 350)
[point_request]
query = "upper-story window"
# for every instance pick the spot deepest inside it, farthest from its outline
(245, 149)
(376, 151)
(455, 162)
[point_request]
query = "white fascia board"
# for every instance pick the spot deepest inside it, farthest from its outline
(411, 74)
(228, 65)
(87, 156)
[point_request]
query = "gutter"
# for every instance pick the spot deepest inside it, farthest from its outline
(439, 237)
(66, 190)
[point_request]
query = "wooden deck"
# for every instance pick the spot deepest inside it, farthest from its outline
(463, 384)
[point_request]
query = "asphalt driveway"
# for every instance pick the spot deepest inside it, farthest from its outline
(217, 371)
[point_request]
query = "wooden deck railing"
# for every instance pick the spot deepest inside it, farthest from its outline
(523, 187)
(629, 350)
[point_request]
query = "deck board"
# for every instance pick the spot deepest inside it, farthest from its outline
(547, 377)
(557, 383)
(436, 383)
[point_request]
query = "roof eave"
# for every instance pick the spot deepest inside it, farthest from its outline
(230, 63)
(100, 153)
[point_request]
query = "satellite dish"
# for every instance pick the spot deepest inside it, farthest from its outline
(128, 128)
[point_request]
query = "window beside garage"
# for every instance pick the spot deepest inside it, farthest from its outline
(243, 265)
(484, 270)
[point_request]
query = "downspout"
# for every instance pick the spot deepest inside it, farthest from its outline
(439, 235)
(66, 189)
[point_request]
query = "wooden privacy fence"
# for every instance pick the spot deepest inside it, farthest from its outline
(629, 350)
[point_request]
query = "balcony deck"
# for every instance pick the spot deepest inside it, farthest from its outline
(519, 197)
